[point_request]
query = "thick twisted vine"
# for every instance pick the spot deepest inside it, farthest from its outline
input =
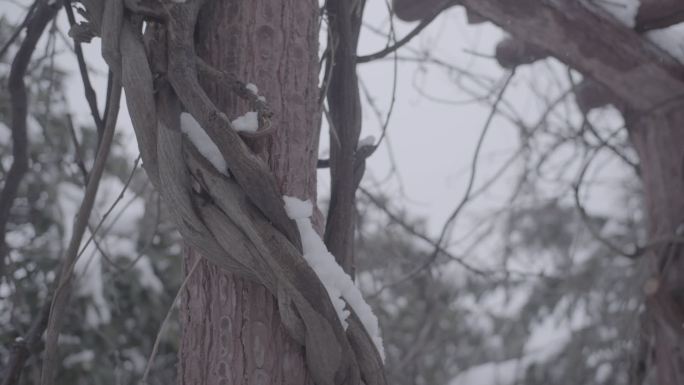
(238, 223)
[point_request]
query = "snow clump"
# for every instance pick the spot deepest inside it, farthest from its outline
(338, 284)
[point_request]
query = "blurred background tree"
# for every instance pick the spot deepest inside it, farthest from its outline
(129, 272)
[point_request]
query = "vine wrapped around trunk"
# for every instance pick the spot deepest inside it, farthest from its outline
(239, 223)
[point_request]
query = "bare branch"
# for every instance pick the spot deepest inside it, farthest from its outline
(23, 347)
(20, 28)
(471, 181)
(638, 250)
(157, 339)
(111, 208)
(411, 230)
(90, 95)
(406, 39)
(77, 149)
(621, 67)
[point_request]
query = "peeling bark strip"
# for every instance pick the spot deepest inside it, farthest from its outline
(238, 224)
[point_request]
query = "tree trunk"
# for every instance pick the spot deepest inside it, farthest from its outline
(232, 333)
(659, 139)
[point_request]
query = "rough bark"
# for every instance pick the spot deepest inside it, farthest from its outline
(659, 139)
(232, 333)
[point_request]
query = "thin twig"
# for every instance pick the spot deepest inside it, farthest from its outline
(383, 122)
(471, 181)
(603, 142)
(24, 346)
(157, 340)
(90, 95)
(104, 235)
(639, 250)
(422, 25)
(393, 98)
(77, 149)
(329, 56)
(411, 230)
(148, 242)
(20, 28)
(111, 207)
(585, 217)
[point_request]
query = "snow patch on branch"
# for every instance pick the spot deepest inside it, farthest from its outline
(248, 122)
(251, 87)
(84, 358)
(367, 141)
(338, 284)
(625, 11)
(203, 142)
(670, 39)
(5, 133)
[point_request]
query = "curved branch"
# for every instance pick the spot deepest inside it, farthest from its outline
(587, 221)
(20, 28)
(471, 182)
(406, 39)
(628, 65)
(654, 14)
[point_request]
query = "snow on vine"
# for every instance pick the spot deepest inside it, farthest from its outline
(203, 142)
(248, 122)
(251, 87)
(338, 284)
(367, 141)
